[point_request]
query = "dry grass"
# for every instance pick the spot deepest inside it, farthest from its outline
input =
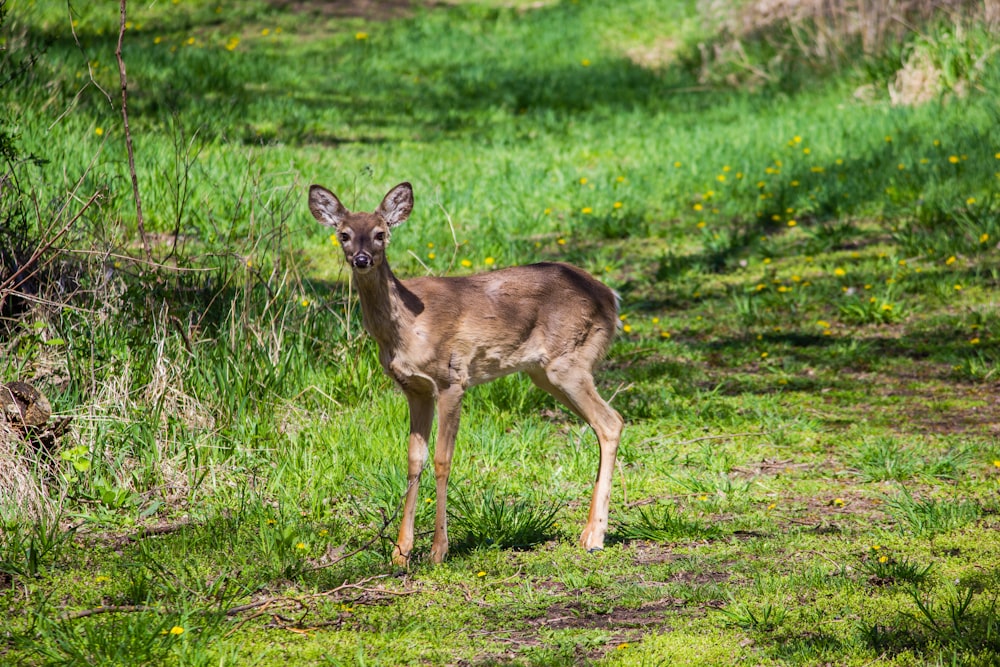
(22, 492)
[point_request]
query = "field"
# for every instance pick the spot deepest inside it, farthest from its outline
(803, 224)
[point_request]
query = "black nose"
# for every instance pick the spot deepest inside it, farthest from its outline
(362, 260)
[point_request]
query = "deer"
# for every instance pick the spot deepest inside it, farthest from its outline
(439, 336)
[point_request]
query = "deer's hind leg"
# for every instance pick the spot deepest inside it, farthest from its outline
(572, 384)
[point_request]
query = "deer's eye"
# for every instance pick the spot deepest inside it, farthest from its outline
(344, 237)
(380, 237)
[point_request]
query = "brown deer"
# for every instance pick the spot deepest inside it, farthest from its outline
(439, 336)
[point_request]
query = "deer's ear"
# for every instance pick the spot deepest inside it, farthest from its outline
(397, 205)
(325, 207)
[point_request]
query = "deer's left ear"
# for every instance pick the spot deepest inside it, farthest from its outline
(397, 205)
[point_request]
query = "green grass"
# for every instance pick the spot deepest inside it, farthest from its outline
(806, 365)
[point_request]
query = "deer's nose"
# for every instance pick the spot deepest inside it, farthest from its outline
(362, 260)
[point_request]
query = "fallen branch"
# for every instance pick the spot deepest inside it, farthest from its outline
(109, 609)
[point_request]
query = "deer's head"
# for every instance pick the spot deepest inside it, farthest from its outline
(363, 236)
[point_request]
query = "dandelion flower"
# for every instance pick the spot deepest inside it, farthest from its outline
(974, 341)
(323, 533)
(176, 630)
(840, 272)
(883, 559)
(360, 36)
(547, 211)
(792, 223)
(480, 574)
(617, 205)
(697, 207)
(466, 263)
(431, 255)
(953, 159)
(265, 32)
(561, 241)
(763, 355)
(838, 502)
(984, 238)
(586, 210)
(101, 579)
(99, 131)
(970, 201)
(489, 261)
(305, 303)
(823, 323)
(950, 260)
(300, 545)
(958, 287)
(664, 334)
(583, 180)
(677, 164)
(620, 179)
(627, 328)
(585, 62)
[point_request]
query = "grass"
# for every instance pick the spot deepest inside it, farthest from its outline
(806, 362)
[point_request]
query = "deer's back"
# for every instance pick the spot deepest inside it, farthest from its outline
(486, 325)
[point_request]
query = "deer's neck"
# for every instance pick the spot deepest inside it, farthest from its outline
(382, 305)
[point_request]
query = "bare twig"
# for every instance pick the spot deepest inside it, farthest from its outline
(128, 135)
(15, 279)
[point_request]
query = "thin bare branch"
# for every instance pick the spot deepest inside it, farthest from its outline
(128, 134)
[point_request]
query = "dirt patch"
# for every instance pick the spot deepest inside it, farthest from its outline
(651, 553)
(376, 10)
(573, 615)
(771, 467)
(919, 403)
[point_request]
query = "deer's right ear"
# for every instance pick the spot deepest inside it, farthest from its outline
(397, 205)
(325, 207)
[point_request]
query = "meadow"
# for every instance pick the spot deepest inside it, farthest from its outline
(803, 226)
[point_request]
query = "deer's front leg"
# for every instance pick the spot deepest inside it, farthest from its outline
(421, 416)
(449, 412)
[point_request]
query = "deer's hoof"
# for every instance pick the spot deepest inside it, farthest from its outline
(399, 558)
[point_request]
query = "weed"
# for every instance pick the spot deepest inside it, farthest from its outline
(493, 518)
(883, 458)
(663, 526)
(26, 549)
(930, 516)
(884, 569)
(957, 621)
(763, 618)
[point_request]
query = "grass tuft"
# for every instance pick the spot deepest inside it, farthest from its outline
(494, 519)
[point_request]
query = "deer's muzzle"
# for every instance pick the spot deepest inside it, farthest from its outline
(363, 261)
